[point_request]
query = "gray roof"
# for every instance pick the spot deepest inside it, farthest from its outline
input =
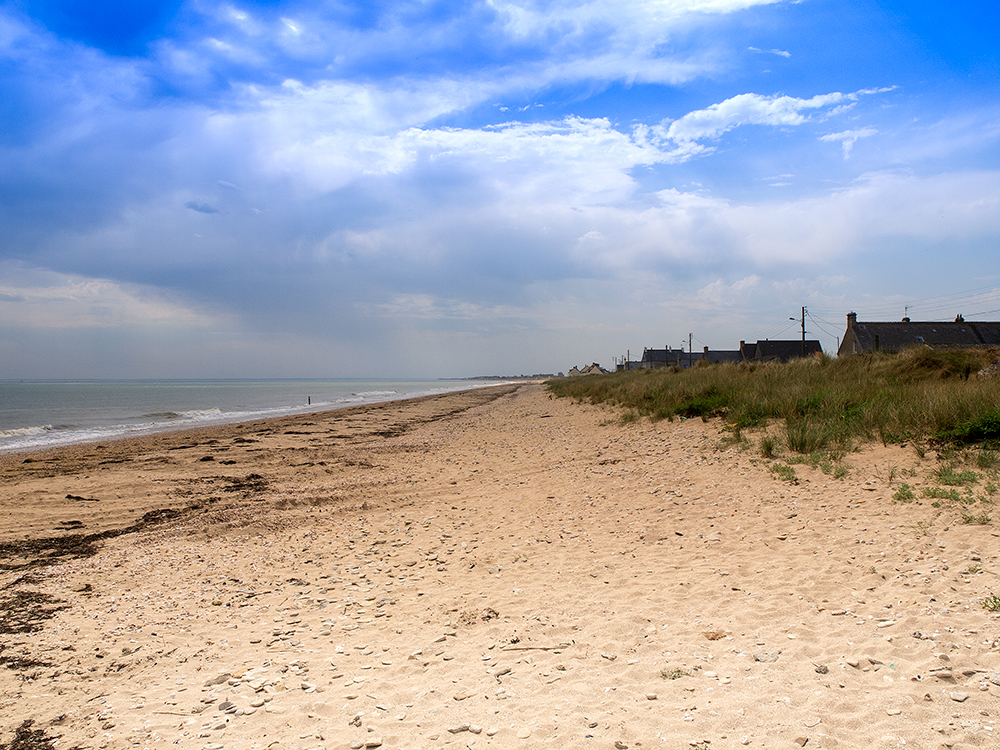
(895, 336)
(718, 356)
(783, 351)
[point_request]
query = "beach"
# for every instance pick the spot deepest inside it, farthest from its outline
(487, 568)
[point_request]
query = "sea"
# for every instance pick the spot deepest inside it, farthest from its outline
(38, 414)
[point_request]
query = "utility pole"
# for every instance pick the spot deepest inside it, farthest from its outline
(689, 351)
(803, 331)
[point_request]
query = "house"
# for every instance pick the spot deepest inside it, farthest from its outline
(593, 369)
(718, 356)
(892, 337)
(654, 359)
(782, 351)
(747, 351)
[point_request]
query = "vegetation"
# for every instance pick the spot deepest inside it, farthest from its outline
(674, 674)
(904, 494)
(822, 403)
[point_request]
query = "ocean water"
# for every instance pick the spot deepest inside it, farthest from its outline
(42, 414)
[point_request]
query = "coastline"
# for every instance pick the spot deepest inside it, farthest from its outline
(37, 415)
(487, 568)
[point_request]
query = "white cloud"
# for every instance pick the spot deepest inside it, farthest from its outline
(38, 298)
(778, 52)
(848, 138)
(747, 109)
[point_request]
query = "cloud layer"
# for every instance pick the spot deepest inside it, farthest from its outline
(498, 186)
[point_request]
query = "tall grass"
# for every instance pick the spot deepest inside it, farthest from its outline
(918, 393)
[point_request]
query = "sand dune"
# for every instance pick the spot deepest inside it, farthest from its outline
(494, 568)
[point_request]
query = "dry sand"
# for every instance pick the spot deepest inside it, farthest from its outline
(488, 569)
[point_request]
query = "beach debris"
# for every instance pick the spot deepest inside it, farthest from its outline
(765, 657)
(81, 499)
(958, 696)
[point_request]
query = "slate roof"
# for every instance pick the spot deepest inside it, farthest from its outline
(783, 351)
(892, 337)
(722, 355)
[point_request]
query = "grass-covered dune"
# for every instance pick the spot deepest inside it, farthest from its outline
(820, 402)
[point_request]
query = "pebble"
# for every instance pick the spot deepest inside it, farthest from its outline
(763, 656)
(523, 734)
(810, 723)
(459, 728)
(373, 742)
(893, 712)
(958, 696)
(475, 728)
(492, 731)
(801, 741)
(651, 696)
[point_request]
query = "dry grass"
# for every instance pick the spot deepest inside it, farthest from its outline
(824, 403)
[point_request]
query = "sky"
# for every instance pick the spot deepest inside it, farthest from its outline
(203, 189)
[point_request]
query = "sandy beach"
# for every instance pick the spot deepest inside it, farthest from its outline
(493, 568)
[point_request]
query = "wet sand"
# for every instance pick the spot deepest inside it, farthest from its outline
(491, 568)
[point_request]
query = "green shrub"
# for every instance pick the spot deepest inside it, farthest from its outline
(904, 494)
(784, 472)
(768, 446)
(805, 437)
(947, 475)
(942, 494)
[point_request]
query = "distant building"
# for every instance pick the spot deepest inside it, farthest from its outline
(863, 337)
(782, 351)
(718, 356)
(592, 369)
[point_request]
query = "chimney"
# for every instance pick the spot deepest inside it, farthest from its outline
(906, 319)
(852, 319)
(706, 350)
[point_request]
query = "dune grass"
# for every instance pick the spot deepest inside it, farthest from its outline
(820, 403)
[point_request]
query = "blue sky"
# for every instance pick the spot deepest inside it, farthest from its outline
(347, 189)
